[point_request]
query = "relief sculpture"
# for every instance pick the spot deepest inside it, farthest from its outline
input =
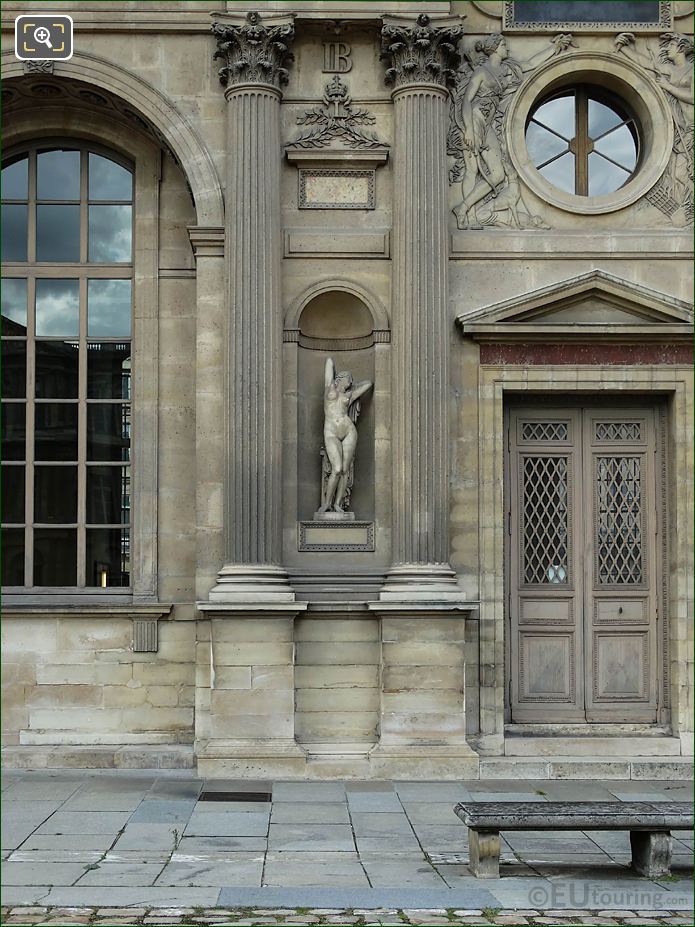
(673, 71)
(484, 84)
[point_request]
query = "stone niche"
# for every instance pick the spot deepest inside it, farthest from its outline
(334, 324)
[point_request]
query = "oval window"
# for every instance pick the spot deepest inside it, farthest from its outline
(583, 141)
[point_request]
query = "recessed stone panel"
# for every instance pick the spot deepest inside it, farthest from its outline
(342, 536)
(333, 189)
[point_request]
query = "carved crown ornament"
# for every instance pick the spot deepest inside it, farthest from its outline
(254, 51)
(420, 52)
(337, 120)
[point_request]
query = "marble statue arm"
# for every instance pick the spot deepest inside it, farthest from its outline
(360, 389)
(329, 374)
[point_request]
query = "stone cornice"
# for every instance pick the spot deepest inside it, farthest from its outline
(254, 49)
(421, 50)
(207, 241)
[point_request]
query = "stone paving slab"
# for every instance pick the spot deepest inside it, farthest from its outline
(144, 839)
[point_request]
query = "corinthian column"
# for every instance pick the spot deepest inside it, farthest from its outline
(254, 52)
(420, 54)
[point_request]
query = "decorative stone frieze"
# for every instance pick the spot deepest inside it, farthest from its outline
(420, 51)
(39, 67)
(253, 52)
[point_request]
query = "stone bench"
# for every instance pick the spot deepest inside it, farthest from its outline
(650, 825)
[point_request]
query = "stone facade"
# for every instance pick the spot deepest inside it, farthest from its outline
(336, 180)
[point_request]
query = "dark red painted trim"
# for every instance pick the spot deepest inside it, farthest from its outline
(530, 354)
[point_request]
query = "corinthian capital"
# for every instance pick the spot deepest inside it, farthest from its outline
(420, 51)
(254, 50)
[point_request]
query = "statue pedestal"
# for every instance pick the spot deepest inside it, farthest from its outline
(334, 516)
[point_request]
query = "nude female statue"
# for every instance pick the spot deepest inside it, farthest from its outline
(341, 408)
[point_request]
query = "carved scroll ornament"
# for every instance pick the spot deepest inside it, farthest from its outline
(253, 52)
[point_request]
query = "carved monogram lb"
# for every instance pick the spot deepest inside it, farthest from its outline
(483, 88)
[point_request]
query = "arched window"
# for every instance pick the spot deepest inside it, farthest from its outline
(67, 219)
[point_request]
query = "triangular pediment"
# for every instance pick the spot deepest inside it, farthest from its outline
(592, 306)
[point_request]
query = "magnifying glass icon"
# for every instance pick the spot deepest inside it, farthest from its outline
(43, 36)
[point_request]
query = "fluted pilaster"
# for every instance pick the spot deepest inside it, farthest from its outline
(419, 56)
(254, 52)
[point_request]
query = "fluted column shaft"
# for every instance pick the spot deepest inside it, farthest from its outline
(255, 324)
(420, 323)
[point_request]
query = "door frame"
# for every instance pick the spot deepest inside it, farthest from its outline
(576, 400)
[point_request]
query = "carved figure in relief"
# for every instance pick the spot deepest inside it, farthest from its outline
(484, 84)
(341, 407)
(673, 71)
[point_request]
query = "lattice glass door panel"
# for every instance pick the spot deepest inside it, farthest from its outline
(545, 496)
(621, 639)
(582, 565)
(546, 631)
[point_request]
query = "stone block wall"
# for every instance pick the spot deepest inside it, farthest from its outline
(337, 680)
(77, 681)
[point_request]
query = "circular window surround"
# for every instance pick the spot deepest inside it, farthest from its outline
(626, 81)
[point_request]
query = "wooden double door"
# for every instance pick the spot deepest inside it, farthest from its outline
(583, 557)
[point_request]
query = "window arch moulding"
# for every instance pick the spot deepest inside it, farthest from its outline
(141, 105)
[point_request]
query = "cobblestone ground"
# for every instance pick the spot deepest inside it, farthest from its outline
(200, 917)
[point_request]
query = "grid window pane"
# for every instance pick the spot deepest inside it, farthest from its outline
(58, 233)
(108, 495)
(108, 557)
(108, 370)
(58, 175)
(110, 234)
(65, 344)
(14, 232)
(55, 556)
(14, 369)
(55, 495)
(58, 308)
(108, 180)
(13, 556)
(108, 431)
(14, 306)
(108, 308)
(57, 369)
(14, 419)
(55, 436)
(15, 180)
(12, 495)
